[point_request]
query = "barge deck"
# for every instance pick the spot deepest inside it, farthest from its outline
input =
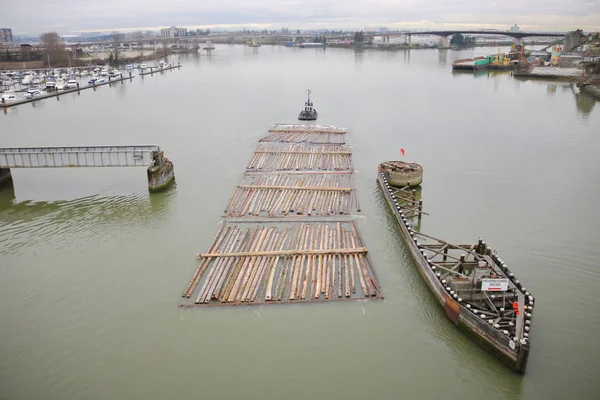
(473, 285)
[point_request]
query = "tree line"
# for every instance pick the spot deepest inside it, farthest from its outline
(459, 40)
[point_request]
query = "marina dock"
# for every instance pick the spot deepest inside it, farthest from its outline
(288, 233)
(58, 93)
(155, 70)
(470, 281)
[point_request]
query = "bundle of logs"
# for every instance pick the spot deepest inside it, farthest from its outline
(284, 261)
(296, 157)
(306, 134)
(276, 195)
(290, 263)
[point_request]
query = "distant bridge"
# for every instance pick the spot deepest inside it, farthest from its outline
(516, 35)
(293, 36)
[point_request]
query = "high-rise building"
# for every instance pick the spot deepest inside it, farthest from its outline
(515, 28)
(6, 35)
(173, 32)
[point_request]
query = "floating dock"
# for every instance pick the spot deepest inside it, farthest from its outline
(58, 93)
(156, 70)
(289, 233)
(473, 285)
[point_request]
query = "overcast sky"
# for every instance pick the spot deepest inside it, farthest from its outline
(68, 16)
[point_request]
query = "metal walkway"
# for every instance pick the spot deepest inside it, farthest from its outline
(89, 156)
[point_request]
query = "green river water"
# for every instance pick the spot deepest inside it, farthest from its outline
(92, 266)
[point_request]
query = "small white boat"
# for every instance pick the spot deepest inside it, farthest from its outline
(33, 92)
(72, 83)
(50, 84)
(104, 71)
(115, 74)
(61, 84)
(96, 80)
(143, 66)
(85, 72)
(7, 98)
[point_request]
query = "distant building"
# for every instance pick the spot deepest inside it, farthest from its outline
(515, 28)
(6, 35)
(173, 32)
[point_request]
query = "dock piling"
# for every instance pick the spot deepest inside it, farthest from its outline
(161, 174)
(5, 177)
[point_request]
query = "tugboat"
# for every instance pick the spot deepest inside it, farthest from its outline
(309, 113)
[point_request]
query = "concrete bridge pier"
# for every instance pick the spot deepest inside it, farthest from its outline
(161, 174)
(5, 177)
(444, 42)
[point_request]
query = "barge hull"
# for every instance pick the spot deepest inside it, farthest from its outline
(459, 315)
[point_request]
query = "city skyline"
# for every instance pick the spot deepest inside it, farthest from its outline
(69, 16)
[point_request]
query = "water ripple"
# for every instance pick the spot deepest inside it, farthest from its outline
(28, 223)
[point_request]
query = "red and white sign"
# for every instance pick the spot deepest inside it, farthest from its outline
(494, 285)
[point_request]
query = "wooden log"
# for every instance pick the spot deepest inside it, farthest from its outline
(243, 273)
(328, 263)
(290, 252)
(363, 266)
(226, 292)
(269, 294)
(348, 289)
(260, 279)
(302, 152)
(252, 267)
(350, 261)
(283, 278)
(252, 280)
(216, 268)
(339, 258)
(198, 275)
(359, 269)
(229, 267)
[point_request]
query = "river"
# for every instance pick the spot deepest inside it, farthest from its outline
(92, 266)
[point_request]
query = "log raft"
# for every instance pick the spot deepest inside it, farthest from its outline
(471, 282)
(288, 233)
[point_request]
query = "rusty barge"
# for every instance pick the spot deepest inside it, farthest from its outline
(474, 286)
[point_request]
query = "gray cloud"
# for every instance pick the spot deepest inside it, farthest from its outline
(64, 16)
